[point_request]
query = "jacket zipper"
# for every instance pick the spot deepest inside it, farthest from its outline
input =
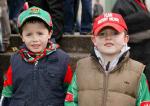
(105, 85)
(34, 70)
(34, 96)
(106, 74)
(35, 65)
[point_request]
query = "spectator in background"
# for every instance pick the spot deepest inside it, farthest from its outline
(15, 7)
(97, 10)
(56, 9)
(4, 35)
(4, 26)
(76, 21)
(71, 23)
(86, 17)
(69, 17)
(137, 18)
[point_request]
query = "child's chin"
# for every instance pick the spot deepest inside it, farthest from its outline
(110, 52)
(36, 50)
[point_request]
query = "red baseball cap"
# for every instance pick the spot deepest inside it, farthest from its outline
(113, 20)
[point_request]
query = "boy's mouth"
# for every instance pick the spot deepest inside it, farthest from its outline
(108, 44)
(35, 46)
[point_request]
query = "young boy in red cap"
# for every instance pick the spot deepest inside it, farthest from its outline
(39, 73)
(108, 77)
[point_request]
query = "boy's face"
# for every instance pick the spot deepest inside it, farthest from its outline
(109, 41)
(35, 36)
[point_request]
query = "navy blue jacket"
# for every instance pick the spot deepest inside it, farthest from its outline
(39, 84)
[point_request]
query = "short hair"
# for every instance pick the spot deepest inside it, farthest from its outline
(34, 20)
(125, 32)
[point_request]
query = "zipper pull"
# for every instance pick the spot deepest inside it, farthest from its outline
(107, 66)
(35, 65)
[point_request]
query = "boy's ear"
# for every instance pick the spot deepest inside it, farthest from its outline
(93, 39)
(50, 34)
(126, 38)
(21, 38)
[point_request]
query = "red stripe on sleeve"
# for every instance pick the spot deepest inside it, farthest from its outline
(145, 103)
(68, 76)
(69, 97)
(8, 77)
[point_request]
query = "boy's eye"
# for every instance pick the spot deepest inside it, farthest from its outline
(115, 33)
(40, 33)
(102, 34)
(110, 33)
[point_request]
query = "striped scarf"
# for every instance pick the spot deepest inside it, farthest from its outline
(31, 57)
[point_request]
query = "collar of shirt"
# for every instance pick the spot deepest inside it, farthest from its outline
(113, 63)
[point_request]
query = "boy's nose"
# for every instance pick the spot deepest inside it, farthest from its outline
(108, 36)
(35, 38)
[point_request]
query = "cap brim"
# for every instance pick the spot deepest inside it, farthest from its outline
(113, 25)
(33, 16)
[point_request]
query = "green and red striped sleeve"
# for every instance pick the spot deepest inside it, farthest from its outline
(143, 93)
(7, 87)
(68, 77)
(72, 93)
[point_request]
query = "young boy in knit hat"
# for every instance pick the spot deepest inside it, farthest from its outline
(39, 73)
(108, 77)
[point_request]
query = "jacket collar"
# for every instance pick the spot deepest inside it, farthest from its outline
(110, 65)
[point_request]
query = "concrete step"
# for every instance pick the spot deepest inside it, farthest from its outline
(69, 43)
(5, 58)
(75, 57)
